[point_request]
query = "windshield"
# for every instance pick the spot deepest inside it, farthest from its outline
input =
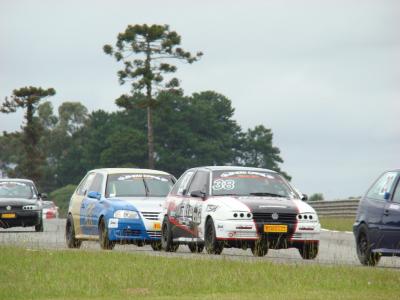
(138, 185)
(250, 183)
(15, 189)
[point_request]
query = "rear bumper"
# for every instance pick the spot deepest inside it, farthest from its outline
(22, 218)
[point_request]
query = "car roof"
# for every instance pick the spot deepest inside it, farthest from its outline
(233, 168)
(129, 170)
(16, 179)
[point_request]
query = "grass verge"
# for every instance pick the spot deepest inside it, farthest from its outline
(66, 274)
(337, 223)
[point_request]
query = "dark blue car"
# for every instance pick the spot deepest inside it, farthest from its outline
(377, 225)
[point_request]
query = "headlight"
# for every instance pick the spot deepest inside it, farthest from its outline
(241, 215)
(30, 207)
(126, 214)
(307, 217)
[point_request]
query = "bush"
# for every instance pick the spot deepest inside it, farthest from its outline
(61, 198)
(316, 197)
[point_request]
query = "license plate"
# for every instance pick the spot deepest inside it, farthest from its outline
(157, 226)
(275, 228)
(8, 216)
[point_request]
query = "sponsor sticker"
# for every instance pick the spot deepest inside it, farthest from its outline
(141, 176)
(113, 223)
(394, 206)
(157, 226)
(238, 173)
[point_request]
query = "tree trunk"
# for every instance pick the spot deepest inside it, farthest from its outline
(150, 137)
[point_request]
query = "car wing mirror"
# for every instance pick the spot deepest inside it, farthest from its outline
(198, 194)
(94, 195)
(304, 197)
(386, 195)
(43, 196)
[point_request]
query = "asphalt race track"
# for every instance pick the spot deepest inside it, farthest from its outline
(336, 248)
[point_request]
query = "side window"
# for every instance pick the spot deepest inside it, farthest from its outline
(83, 187)
(97, 183)
(181, 185)
(383, 185)
(199, 182)
(396, 195)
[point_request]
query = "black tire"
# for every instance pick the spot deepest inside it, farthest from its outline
(104, 241)
(39, 227)
(213, 246)
(156, 246)
(364, 249)
(196, 248)
(70, 239)
(260, 247)
(309, 250)
(166, 237)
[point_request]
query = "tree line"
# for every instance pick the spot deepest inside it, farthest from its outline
(157, 126)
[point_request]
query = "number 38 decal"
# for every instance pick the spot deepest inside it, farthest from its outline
(221, 184)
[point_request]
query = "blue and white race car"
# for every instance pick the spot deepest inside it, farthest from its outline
(118, 205)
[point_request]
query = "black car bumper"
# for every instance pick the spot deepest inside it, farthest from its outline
(20, 218)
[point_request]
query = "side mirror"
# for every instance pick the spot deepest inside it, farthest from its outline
(94, 195)
(43, 196)
(198, 194)
(304, 197)
(386, 196)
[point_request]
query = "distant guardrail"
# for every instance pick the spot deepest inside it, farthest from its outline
(336, 208)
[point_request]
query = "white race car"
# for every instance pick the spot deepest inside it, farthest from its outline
(240, 207)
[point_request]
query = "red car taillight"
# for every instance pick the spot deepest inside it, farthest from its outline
(50, 214)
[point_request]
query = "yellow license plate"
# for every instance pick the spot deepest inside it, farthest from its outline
(275, 228)
(157, 226)
(8, 216)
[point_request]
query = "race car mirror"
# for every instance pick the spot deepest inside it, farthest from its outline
(304, 197)
(43, 196)
(386, 196)
(198, 194)
(94, 195)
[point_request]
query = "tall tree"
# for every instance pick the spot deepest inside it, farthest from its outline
(258, 150)
(143, 50)
(28, 98)
(72, 116)
(194, 131)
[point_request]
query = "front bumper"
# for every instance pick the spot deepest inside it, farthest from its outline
(235, 230)
(23, 218)
(133, 230)
(248, 230)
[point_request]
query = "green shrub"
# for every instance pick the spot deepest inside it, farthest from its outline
(61, 198)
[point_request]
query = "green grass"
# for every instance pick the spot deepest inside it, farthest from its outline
(46, 274)
(337, 223)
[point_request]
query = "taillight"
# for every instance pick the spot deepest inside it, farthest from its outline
(50, 214)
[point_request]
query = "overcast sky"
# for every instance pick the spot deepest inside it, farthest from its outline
(323, 75)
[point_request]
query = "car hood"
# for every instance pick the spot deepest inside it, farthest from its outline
(16, 202)
(148, 204)
(258, 204)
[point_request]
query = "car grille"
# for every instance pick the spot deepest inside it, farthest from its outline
(246, 234)
(13, 207)
(130, 232)
(267, 217)
(150, 215)
(154, 234)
